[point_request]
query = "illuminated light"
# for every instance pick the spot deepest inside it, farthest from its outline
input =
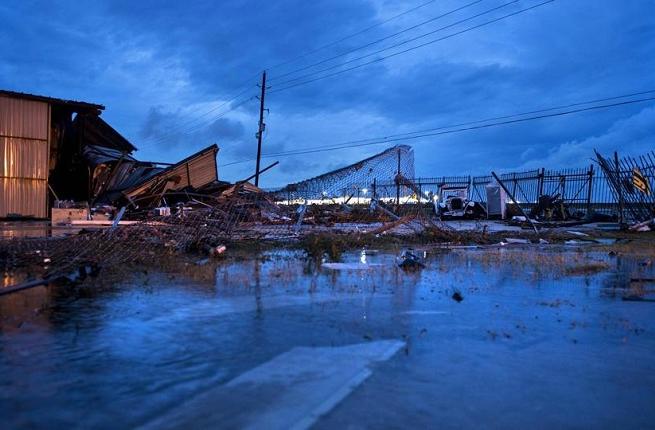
(364, 190)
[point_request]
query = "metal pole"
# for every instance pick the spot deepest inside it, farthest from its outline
(398, 183)
(617, 166)
(261, 128)
(270, 166)
(590, 189)
(511, 196)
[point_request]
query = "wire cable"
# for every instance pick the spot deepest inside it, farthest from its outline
(274, 90)
(378, 40)
(195, 121)
(182, 125)
(171, 134)
(404, 42)
(451, 129)
(350, 36)
(498, 118)
(408, 11)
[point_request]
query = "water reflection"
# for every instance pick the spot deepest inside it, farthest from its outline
(157, 339)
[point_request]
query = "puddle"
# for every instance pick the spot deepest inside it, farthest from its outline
(279, 339)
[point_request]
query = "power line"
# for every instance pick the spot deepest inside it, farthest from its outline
(164, 138)
(195, 120)
(451, 129)
(378, 40)
(214, 109)
(403, 51)
(171, 134)
(193, 127)
(404, 42)
(350, 36)
(498, 118)
(476, 127)
(408, 49)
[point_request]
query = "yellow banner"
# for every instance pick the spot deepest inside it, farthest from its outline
(640, 182)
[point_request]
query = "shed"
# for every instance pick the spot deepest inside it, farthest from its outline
(31, 127)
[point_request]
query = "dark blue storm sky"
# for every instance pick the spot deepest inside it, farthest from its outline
(164, 70)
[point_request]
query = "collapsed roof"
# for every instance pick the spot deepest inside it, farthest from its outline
(117, 176)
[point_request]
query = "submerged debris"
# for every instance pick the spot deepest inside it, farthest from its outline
(410, 262)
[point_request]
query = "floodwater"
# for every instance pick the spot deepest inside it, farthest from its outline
(280, 342)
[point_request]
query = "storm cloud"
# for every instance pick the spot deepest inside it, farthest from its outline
(168, 72)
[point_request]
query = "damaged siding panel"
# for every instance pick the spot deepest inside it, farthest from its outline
(203, 170)
(24, 148)
(196, 171)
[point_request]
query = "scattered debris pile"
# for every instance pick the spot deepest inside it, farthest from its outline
(550, 208)
(182, 208)
(253, 205)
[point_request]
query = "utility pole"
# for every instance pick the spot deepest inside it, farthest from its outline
(261, 127)
(398, 184)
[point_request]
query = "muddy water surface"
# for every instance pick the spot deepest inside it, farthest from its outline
(540, 339)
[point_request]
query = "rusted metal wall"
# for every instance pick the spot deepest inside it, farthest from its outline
(24, 146)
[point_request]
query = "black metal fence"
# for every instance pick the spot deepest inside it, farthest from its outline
(583, 190)
(630, 180)
(603, 190)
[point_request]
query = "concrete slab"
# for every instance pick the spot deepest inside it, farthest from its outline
(292, 391)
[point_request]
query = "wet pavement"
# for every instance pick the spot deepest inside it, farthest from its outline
(280, 342)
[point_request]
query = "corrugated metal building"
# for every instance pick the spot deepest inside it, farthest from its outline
(53, 149)
(24, 151)
(31, 131)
